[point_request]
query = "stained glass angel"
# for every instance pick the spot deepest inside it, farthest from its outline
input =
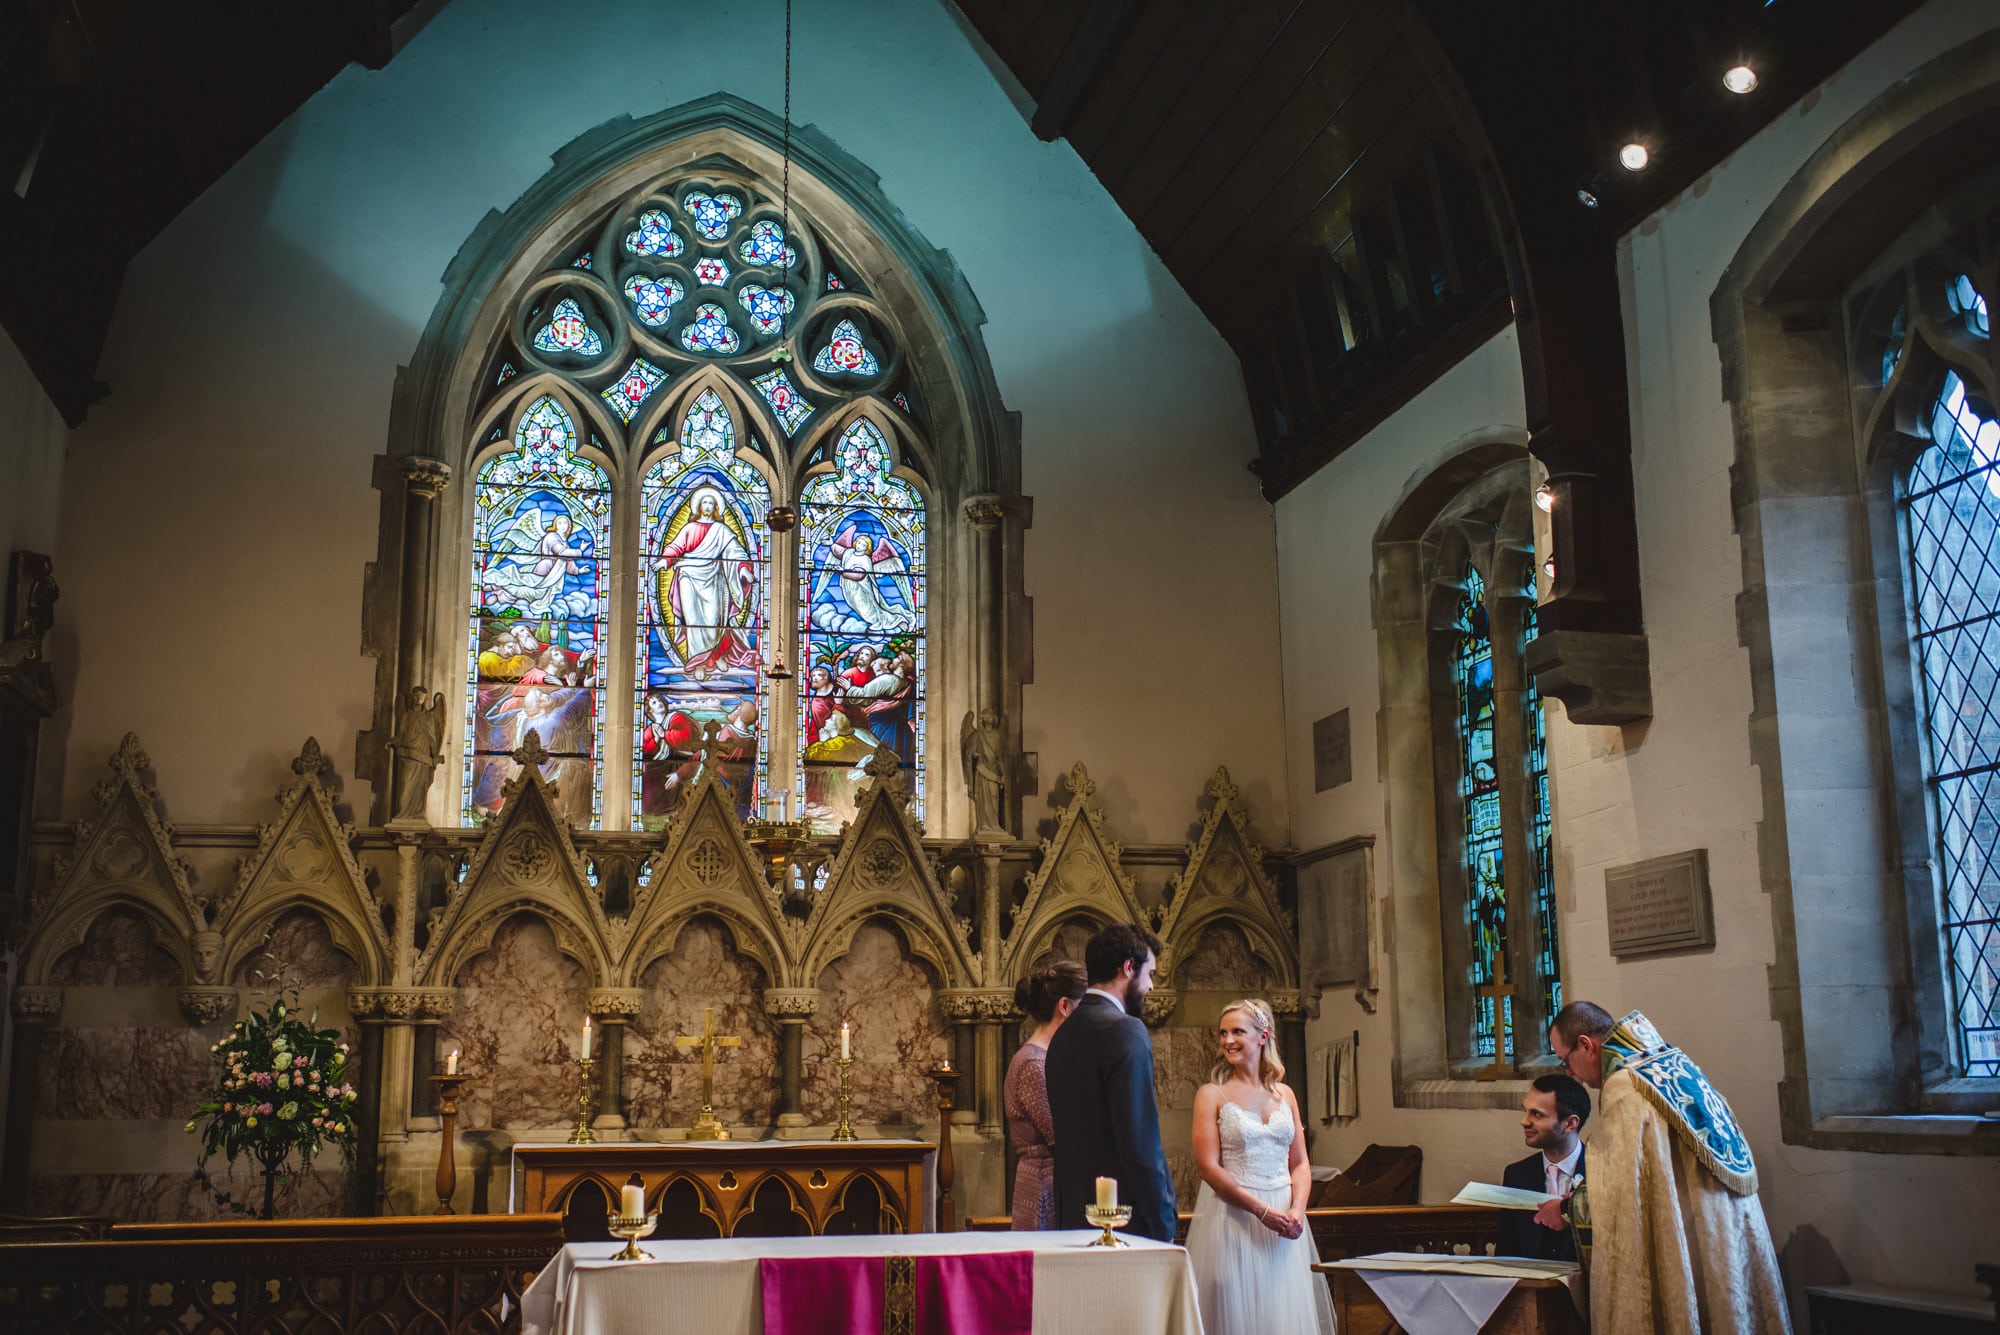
(862, 562)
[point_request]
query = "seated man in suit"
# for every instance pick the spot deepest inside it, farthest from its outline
(1552, 1114)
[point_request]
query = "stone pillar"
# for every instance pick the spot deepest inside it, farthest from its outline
(424, 479)
(1288, 1008)
(985, 514)
(409, 881)
(402, 1010)
(611, 1009)
(35, 1012)
(791, 1007)
(996, 1012)
(961, 1009)
(362, 1185)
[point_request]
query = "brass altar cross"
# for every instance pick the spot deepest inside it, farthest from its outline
(706, 1127)
(1499, 991)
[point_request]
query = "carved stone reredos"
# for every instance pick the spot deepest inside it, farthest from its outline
(1224, 881)
(1080, 876)
(305, 858)
(123, 854)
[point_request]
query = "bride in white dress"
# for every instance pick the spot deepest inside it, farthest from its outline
(1248, 1244)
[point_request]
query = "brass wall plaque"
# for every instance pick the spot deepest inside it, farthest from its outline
(1660, 904)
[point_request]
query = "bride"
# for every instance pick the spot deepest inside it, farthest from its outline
(1247, 1244)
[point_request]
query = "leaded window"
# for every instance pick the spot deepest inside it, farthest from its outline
(1951, 513)
(679, 387)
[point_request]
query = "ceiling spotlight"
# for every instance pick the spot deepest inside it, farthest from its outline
(1740, 79)
(1634, 157)
(1545, 500)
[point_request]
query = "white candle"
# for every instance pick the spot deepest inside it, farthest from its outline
(451, 1063)
(632, 1201)
(1107, 1193)
(586, 1037)
(846, 1043)
(946, 1066)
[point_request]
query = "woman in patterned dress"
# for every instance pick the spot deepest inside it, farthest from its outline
(1048, 995)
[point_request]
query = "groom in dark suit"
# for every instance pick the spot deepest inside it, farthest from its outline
(1552, 1116)
(1100, 1078)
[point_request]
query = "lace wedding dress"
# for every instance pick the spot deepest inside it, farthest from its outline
(1250, 1280)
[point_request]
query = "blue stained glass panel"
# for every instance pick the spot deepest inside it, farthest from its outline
(766, 246)
(1968, 303)
(845, 353)
(633, 388)
(568, 331)
(901, 400)
(541, 527)
(1951, 515)
(712, 214)
(1479, 802)
(704, 603)
(655, 236)
(1542, 831)
(710, 332)
(784, 398)
(653, 298)
(767, 308)
(582, 261)
(711, 272)
(862, 625)
(833, 283)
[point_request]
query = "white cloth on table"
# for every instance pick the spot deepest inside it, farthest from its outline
(1450, 1295)
(1251, 1280)
(713, 1286)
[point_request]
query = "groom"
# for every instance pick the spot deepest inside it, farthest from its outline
(1100, 1081)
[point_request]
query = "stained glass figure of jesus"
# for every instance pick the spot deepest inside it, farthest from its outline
(707, 588)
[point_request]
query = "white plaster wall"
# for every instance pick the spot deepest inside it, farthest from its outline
(216, 551)
(32, 442)
(1684, 780)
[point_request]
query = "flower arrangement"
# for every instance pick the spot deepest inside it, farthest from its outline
(282, 1088)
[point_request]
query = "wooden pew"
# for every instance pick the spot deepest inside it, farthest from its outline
(447, 1273)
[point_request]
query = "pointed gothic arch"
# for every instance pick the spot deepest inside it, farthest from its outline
(1080, 876)
(1224, 882)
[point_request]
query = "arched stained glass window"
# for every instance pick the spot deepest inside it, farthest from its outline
(1969, 304)
(541, 533)
(1951, 510)
(1479, 801)
(1541, 827)
(704, 604)
(862, 642)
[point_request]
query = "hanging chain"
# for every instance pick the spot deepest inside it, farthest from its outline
(785, 206)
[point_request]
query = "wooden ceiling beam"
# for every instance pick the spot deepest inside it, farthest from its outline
(1096, 33)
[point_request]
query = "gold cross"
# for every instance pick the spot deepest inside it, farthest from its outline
(1498, 992)
(706, 1127)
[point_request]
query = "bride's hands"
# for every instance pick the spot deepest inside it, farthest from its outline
(1283, 1224)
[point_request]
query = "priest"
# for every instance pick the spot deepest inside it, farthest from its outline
(1678, 1240)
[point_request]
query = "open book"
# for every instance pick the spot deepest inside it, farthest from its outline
(1507, 1198)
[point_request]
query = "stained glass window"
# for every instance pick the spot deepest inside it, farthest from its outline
(541, 527)
(712, 214)
(845, 352)
(709, 331)
(1479, 800)
(711, 271)
(767, 308)
(655, 236)
(766, 246)
(1951, 511)
(703, 605)
(1968, 304)
(568, 331)
(653, 298)
(1541, 830)
(784, 398)
(862, 642)
(633, 388)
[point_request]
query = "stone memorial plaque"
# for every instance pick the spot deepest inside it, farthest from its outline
(1333, 760)
(1660, 904)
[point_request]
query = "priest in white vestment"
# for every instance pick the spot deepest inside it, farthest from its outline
(1678, 1241)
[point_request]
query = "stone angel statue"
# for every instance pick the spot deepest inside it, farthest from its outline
(418, 745)
(980, 747)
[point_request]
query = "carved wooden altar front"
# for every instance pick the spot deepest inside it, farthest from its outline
(733, 1189)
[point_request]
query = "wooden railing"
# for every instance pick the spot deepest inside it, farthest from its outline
(447, 1274)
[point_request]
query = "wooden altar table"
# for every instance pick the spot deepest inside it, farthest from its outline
(727, 1175)
(1545, 1298)
(713, 1287)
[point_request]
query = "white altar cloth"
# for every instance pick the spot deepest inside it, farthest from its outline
(1430, 1294)
(712, 1286)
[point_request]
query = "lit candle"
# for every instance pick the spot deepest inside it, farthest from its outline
(586, 1038)
(1107, 1193)
(451, 1063)
(846, 1043)
(632, 1201)
(945, 1065)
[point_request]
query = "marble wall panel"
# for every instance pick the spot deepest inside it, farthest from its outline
(888, 996)
(1181, 1062)
(1186, 1180)
(121, 949)
(1070, 939)
(178, 1196)
(517, 1024)
(663, 1082)
(301, 951)
(93, 1073)
(1221, 959)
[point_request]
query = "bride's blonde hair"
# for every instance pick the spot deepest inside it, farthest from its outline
(1270, 1070)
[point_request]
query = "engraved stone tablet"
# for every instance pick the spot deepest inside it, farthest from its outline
(1333, 763)
(1660, 904)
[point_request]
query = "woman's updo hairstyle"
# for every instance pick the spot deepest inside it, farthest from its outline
(1038, 993)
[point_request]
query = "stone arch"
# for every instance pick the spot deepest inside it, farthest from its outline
(1080, 876)
(1224, 881)
(707, 868)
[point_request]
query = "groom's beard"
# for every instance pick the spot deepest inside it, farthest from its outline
(1135, 1002)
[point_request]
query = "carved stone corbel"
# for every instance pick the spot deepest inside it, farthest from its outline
(791, 1007)
(1159, 1004)
(400, 1005)
(620, 1003)
(791, 1003)
(203, 1006)
(37, 1005)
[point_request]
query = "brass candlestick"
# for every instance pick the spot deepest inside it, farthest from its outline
(447, 1169)
(632, 1229)
(1116, 1217)
(585, 1097)
(844, 1131)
